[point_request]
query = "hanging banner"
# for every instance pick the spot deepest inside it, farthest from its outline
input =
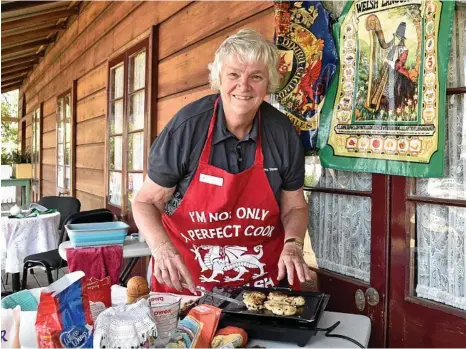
(385, 111)
(307, 64)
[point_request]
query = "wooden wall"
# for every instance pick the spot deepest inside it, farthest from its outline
(188, 35)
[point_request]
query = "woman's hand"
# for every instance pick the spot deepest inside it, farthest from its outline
(170, 269)
(291, 259)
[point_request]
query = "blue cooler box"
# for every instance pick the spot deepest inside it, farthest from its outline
(97, 234)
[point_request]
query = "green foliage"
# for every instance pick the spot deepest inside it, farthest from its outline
(20, 158)
(6, 158)
(9, 133)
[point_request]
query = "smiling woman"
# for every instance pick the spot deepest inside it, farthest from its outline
(243, 88)
(207, 172)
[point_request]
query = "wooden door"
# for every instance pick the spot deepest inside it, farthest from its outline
(427, 294)
(428, 255)
(427, 306)
(349, 236)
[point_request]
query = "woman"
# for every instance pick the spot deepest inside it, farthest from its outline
(223, 202)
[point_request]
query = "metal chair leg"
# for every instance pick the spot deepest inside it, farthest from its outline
(25, 276)
(34, 276)
(49, 275)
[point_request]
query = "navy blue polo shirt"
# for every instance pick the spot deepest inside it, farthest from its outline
(175, 153)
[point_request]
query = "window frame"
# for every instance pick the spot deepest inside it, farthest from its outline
(124, 211)
(72, 117)
(37, 122)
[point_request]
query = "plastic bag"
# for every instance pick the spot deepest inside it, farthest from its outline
(64, 317)
(10, 327)
(100, 295)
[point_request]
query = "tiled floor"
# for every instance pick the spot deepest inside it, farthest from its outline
(31, 283)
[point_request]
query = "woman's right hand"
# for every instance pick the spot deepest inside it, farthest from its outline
(169, 268)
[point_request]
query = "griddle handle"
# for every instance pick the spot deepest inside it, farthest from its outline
(283, 285)
(285, 289)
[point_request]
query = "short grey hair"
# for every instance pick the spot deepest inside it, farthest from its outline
(250, 47)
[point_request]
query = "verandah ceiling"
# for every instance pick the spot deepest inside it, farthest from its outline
(28, 28)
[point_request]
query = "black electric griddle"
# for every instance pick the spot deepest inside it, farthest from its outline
(263, 324)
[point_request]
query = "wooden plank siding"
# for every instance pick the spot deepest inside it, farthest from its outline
(168, 106)
(89, 201)
(188, 35)
(49, 123)
(91, 106)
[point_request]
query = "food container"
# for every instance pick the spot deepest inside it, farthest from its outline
(165, 308)
(97, 234)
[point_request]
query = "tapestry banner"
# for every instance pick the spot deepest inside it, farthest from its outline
(307, 64)
(385, 111)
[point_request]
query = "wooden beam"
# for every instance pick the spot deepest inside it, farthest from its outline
(456, 90)
(22, 42)
(73, 3)
(20, 54)
(18, 58)
(12, 82)
(21, 61)
(30, 35)
(20, 30)
(9, 119)
(35, 44)
(13, 77)
(8, 83)
(32, 29)
(11, 87)
(41, 18)
(21, 5)
(19, 68)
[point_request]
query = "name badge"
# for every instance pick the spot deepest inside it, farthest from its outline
(211, 180)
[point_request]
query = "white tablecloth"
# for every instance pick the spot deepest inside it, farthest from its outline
(22, 237)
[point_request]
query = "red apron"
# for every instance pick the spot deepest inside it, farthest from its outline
(227, 227)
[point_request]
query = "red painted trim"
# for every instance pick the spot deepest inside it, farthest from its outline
(341, 288)
(414, 322)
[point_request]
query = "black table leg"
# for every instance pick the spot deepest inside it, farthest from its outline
(127, 270)
(15, 282)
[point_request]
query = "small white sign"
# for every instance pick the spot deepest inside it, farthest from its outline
(211, 179)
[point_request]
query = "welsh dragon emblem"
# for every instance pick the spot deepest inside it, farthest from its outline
(223, 258)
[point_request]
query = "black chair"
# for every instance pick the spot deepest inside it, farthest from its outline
(51, 260)
(66, 205)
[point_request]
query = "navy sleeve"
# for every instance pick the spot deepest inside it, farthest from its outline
(164, 165)
(293, 177)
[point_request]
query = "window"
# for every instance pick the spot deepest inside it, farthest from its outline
(64, 144)
(127, 111)
(36, 153)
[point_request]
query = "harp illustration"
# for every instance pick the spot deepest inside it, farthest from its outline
(378, 76)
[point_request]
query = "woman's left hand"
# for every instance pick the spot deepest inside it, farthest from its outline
(291, 259)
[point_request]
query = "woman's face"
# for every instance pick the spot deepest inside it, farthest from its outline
(243, 86)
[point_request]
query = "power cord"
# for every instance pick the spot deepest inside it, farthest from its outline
(328, 333)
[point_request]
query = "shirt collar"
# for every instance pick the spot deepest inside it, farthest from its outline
(221, 132)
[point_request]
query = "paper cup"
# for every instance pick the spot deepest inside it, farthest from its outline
(165, 308)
